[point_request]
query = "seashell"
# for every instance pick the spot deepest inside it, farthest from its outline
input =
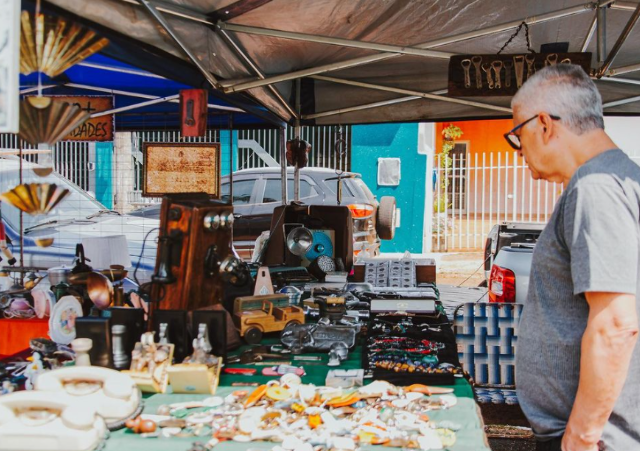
(307, 392)
(44, 120)
(344, 443)
(241, 438)
(448, 400)
(400, 403)
(35, 198)
(170, 432)
(213, 401)
(271, 435)
(291, 443)
(52, 45)
(278, 393)
(429, 440)
(414, 396)
(290, 380)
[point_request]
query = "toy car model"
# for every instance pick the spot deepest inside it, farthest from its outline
(256, 315)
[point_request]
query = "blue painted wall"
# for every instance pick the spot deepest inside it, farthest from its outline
(104, 175)
(370, 142)
(224, 148)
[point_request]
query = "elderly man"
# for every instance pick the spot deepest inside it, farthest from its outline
(578, 369)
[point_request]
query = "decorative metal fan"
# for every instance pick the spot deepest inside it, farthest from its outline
(35, 198)
(47, 120)
(51, 46)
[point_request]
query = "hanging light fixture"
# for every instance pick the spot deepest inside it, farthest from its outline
(35, 198)
(51, 45)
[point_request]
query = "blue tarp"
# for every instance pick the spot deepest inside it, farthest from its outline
(100, 71)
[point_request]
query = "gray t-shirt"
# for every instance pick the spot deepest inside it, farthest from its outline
(591, 243)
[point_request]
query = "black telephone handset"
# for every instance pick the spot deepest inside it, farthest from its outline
(169, 249)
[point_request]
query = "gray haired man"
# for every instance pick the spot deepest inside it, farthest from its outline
(578, 369)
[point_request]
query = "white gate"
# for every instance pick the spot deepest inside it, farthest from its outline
(494, 187)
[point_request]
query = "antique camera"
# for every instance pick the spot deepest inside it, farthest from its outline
(194, 257)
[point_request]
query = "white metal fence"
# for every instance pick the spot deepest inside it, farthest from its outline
(480, 190)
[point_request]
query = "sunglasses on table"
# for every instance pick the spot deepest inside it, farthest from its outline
(514, 140)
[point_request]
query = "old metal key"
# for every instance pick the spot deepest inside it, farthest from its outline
(476, 60)
(486, 67)
(497, 67)
(519, 63)
(466, 65)
(551, 60)
(530, 59)
(508, 66)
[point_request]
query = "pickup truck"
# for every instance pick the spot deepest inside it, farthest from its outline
(508, 254)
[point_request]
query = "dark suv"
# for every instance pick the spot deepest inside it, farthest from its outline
(257, 192)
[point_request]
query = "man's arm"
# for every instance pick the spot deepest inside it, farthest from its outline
(607, 346)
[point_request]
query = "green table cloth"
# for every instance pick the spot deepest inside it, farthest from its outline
(466, 413)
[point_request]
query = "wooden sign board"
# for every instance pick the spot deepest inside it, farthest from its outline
(93, 129)
(175, 168)
(501, 75)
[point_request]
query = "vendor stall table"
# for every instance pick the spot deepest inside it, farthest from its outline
(466, 413)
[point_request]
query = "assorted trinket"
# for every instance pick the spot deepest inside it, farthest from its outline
(300, 417)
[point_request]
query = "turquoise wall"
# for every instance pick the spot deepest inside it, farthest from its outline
(370, 142)
(224, 149)
(104, 175)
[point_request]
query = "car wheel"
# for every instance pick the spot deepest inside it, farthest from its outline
(386, 223)
(253, 335)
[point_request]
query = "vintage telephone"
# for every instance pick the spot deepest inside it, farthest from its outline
(114, 395)
(194, 252)
(33, 420)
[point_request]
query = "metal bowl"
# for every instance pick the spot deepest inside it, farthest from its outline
(100, 290)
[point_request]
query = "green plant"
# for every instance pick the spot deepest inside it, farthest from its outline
(449, 135)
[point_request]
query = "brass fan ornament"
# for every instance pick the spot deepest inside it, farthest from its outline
(35, 198)
(51, 45)
(46, 120)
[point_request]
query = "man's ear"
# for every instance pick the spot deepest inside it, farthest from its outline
(547, 127)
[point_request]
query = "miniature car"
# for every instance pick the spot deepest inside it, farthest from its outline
(256, 315)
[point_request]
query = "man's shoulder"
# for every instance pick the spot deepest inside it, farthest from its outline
(612, 168)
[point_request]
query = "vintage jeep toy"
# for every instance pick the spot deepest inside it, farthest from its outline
(256, 315)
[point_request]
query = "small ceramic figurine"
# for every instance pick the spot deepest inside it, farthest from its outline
(33, 369)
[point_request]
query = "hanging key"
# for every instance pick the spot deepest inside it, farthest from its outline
(497, 67)
(476, 60)
(551, 60)
(486, 67)
(531, 60)
(508, 67)
(566, 61)
(466, 65)
(518, 60)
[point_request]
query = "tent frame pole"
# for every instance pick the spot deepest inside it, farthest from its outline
(413, 93)
(369, 105)
(590, 33)
(403, 50)
(236, 48)
(129, 94)
(135, 106)
(237, 86)
(283, 163)
(621, 102)
(169, 29)
(621, 39)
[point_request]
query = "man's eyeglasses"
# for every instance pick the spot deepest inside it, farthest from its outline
(514, 140)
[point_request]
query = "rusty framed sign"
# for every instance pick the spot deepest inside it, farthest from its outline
(173, 168)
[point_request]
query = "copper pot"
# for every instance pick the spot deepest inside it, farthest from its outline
(100, 290)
